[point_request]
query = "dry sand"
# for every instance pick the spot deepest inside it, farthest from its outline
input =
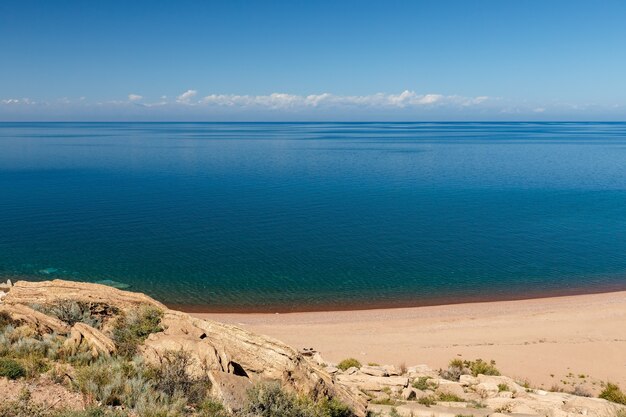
(566, 337)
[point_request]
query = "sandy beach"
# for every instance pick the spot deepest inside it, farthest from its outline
(577, 339)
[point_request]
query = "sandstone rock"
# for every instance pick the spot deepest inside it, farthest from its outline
(421, 371)
(372, 383)
(331, 369)
(38, 320)
(373, 371)
(213, 346)
(51, 292)
(378, 395)
(99, 343)
(509, 382)
(391, 370)
(487, 389)
(409, 394)
(593, 407)
(318, 360)
(451, 388)
(351, 370)
(230, 389)
(468, 380)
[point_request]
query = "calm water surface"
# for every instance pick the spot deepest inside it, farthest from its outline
(305, 216)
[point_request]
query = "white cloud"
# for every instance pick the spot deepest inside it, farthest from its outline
(134, 97)
(406, 99)
(186, 97)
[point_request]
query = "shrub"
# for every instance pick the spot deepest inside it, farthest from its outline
(173, 378)
(427, 400)
(334, 408)
(503, 387)
(6, 320)
(211, 408)
(458, 367)
(422, 383)
(11, 369)
(613, 393)
(349, 363)
(581, 391)
(270, 400)
(481, 367)
(450, 398)
(132, 330)
(70, 312)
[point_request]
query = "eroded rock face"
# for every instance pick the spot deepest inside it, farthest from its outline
(98, 342)
(40, 321)
(234, 356)
(52, 292)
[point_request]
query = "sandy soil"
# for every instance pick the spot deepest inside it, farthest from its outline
(544, 341)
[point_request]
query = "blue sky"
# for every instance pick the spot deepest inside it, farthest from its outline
(315, 60)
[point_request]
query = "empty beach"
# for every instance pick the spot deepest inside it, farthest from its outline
(577, 339)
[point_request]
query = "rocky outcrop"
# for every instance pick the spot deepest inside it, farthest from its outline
(229, 349)
(98, 342)
(235, 358)
(479, 396)
(52, 292)
(40, 321)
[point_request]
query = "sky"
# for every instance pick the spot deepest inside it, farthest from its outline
(312, 60)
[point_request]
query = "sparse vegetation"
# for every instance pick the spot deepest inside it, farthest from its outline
(423, 384)
(129, 331)
(402, 368)
(503, 387)
(72, 312)
(581, 391)
(447, 397)
(5, 320)
(427, 400)
(11, 369)
(479, 367)
(349, 363)
(270, 400)
(458, 367)
(613, 393)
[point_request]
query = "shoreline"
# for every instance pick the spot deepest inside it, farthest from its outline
(547, 341)
(394, 304)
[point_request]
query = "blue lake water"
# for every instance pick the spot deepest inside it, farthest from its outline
(282, 216)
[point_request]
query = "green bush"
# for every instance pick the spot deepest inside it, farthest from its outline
(503, 387)
(5, 320)
(613, 393)
(11, 369)
(349, 363)
(427, 400)
(450, 398)
(129, 331)
(422, 383)
(479, 366)
(72, 312)
(173, 378)
(270, 400)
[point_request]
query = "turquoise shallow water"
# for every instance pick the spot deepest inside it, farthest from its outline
(288, 216)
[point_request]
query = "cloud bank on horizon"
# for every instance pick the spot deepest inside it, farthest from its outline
(191, 105)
